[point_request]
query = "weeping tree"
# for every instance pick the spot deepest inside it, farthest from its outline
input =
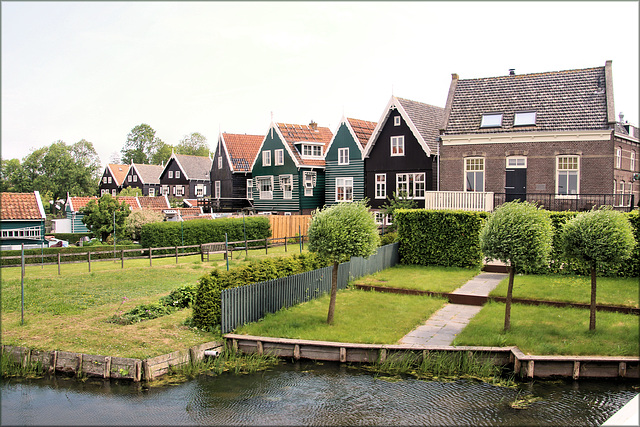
(518, 234)
(598, 236)
(340, 232)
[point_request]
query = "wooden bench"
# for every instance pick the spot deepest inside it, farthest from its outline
(215, 248)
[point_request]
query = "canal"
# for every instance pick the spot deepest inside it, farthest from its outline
(310, 393)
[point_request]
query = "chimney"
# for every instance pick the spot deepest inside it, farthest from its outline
(313, 125)
(512, 71)
(621, 116)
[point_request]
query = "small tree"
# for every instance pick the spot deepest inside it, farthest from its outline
(99, 217)
(597, 236)
(130, 192)
(134, 222)
(518, 234)
(340, 232)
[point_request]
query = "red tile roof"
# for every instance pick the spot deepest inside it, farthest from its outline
(155, 203)
(363, 129)
(131, 201)
(76, 203)
(296, 133)
(119, 172)
(242, 149)
(20, 206)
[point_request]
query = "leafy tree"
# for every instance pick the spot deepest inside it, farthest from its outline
(12, 177)
(131, 192)
(518, 234)
(340, 232)
(399, 201)
(194, 145)
(98, 217)
(162, 154)
(141, 145)
(598, 236)
(134, 222)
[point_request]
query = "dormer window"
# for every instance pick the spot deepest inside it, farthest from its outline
(527, 118)
(491, 120)
(311, 150)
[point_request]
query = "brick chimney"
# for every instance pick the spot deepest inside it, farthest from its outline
(313, 126)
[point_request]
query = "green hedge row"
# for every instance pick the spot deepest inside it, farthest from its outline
(199, 231)
(72, 238)
(207, 306)
(447, 238)
(50, 254)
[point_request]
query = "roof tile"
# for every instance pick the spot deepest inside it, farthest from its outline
(242, 149)
(19, 206)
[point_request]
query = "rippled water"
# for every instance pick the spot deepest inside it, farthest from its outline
(308, 394)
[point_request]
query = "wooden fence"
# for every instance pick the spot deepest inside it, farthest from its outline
(251, 302)
(289, 225)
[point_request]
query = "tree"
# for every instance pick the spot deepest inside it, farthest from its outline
(162, 154)
(131, 192)
(194, 145)
(12, 177)
(141, 145)
(99, 217)
(597, 236)
(518, 234)
(340, 232)
(134, 222)
(399, 201)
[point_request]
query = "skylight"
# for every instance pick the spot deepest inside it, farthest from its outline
(491, 120)
(525, 118)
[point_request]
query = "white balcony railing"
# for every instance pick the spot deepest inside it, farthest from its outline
(459, 200)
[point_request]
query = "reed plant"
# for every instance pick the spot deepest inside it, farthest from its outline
(9, 367)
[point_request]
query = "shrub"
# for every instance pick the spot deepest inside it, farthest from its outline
(134, 222)
(388, 238)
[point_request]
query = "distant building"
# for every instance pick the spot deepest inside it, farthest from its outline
(22, 220)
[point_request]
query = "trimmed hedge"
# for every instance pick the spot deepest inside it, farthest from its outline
(207, 307)
(199, 231)
(446, 238)
(50, 254)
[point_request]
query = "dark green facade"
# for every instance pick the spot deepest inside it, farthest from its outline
(355, 169)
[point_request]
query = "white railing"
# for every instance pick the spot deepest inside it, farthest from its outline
(459, 200)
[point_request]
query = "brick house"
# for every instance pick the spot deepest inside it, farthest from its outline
(548, 137)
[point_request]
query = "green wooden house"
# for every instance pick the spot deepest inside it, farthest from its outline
(344, 165)
(22, 219)
(288, 171)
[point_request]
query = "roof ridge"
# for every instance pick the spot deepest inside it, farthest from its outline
(539, 73)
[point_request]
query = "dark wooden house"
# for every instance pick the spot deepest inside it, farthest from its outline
(112, 179)
(144, 177)
(186, 177)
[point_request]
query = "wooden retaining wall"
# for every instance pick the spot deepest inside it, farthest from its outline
(525, 366)
(107, 366)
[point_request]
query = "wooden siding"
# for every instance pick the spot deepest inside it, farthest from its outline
(355, 168)
(21, 224)
(289, 225)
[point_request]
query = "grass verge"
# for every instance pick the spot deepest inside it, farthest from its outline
(417, 277)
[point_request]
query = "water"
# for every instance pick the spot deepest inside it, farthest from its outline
(307, 393)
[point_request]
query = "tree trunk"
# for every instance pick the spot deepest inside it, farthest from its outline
(507, 313)
(592, 308)
(334, 292)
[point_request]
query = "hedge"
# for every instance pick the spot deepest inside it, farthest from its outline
(72, 238)
(50, 254)
(446, 238)
(207, 307)
(199, 231)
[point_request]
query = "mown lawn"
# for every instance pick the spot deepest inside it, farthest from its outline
(417, 277)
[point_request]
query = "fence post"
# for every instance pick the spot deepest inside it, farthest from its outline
(285, 243)
(266, 246)
(177, 253)
(22, 286)
(150, 257)
(89, 260)
(58, 263)
(226, 250)
(122, 258)
(300, 237)
(201, 253)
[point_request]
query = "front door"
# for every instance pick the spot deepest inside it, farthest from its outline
(516, 184)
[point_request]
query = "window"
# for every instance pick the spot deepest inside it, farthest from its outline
(397, 145)
(219, 162)
(113, 192)
(568, 168)
(379, 217)
(266, 158)
(135, 178)
(311, 150)
(179, 190)
(177, 174)
(170, 174)
(165, 190)
(632, 164)
(381, 186)
(344, 189)
(216, 189)
(109, 180)
(525, 119)
(104, 179)
(396, 121)
(286, 185)
(517, 162)
(279, 157)
(474, 174)
(412, 185)
(343, 156)
(152, 192)
(309, 181)
(619, 193)
(249, 189)
(129, 178)
(618, 158)
(491, 120)
(104, 191)
(31, 233)
(265, 186)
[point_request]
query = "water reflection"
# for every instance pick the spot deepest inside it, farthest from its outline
(306, 393)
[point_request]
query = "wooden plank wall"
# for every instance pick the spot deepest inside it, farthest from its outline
(289, 225)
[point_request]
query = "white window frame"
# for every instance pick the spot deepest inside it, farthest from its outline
(474, 166)
(396, 121)
(217, 189)
(413, 185)
(135, 178)
(381, 185)
(516, 162)
(632, 162)
(250, 189)
(179, 190)
(491, 120)
(164, 191)
(264, 192)
(109, 180)
(311, 151)
(27, 233)
(286, 185)
(129, 179)
(344, 189)
(114, 192)
(266, 158)
(177, 174)
(152, 192)
(397, 146)
(567, 172)
(309, 182)
(170, 174)
(104, 191)
(219, 162)
(343, 156)
(279, 157)
(618, 158)
(104, 179)
(524, 118)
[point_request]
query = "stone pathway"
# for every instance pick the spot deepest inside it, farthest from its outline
(443, 326)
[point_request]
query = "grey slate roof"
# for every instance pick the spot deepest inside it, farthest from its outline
(426, 118)
(195, 167)
(563, 101)
(149, 174)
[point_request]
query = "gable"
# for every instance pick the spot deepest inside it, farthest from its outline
(241, 150)
(118, 172)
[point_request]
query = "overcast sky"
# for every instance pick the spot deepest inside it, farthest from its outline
(95, 70)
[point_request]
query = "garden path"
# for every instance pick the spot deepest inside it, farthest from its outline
(443, 326)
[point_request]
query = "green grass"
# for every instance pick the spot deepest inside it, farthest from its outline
(623, 291)
(360, 317)
(544, 330)
(429, 278)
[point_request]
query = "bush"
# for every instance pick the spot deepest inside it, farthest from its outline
(134, 222)
(207, 308)
(388, 238)
(180, 298)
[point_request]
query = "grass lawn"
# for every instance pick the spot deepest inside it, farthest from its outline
(360, 317)
(610, 290)
(69, 312)
(543, 330)
(429, 278)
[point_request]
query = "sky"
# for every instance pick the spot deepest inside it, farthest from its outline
(95, 70)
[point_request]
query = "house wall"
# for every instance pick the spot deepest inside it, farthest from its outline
(627, 170)
(16, 242)
(109, 186)
(173, 182)
(355, 168)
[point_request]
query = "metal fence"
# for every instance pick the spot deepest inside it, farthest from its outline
(250, 303)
